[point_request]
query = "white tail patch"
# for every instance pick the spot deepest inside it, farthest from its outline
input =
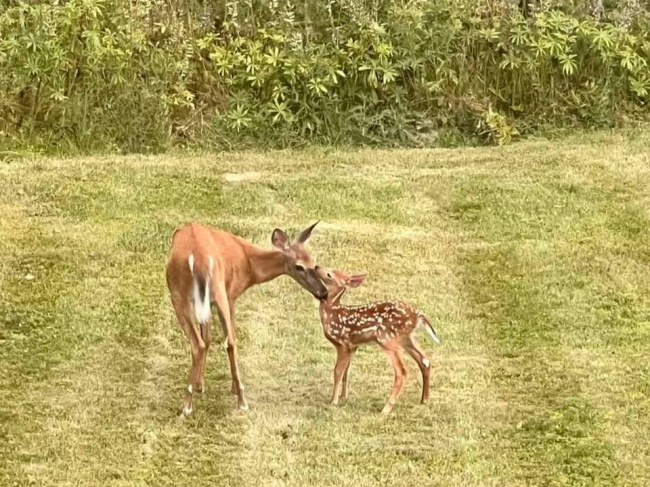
(427, 326)
(433, 336)
(202, 312)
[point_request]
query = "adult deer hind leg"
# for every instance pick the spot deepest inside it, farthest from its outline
(423, 363)
(197, 349)
(400, 375)
(206, 335)
(227, 316)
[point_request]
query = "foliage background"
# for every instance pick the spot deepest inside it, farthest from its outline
(146, 75)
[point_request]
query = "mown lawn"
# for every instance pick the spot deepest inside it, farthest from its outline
(531, 261)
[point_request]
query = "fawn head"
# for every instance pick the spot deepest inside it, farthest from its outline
(299, 264)
(337, 282)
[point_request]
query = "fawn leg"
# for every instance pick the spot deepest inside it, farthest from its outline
(423, 363)
(400, 375)
(342, 362)
(344, 385)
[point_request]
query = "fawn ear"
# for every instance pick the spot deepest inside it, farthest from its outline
(279, 239)
(355, 280)
(306, 233)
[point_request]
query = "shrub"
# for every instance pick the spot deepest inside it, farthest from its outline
(143, 75)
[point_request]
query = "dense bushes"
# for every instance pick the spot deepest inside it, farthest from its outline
(142, 75)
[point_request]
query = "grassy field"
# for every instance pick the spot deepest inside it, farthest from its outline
(531, 261)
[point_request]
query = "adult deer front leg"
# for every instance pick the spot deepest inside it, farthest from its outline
(226, 313)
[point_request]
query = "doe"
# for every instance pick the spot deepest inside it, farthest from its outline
(207, 267)
(390, 324)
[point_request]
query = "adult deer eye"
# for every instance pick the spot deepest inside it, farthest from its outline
(329, 275)
(300, 268)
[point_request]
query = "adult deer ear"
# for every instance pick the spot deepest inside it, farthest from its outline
(355, 280)
(304, 236)
(279, 239)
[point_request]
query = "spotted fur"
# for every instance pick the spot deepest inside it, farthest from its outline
(371, 323)
(389, 324)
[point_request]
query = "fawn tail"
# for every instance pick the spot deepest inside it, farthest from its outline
(424, 322)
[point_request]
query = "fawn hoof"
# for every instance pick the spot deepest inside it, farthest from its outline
(388, 408)
(187, 411)
(241, 402)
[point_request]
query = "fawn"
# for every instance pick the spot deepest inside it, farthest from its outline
(390, 324)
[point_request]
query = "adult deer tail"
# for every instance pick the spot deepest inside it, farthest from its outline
(201, 288)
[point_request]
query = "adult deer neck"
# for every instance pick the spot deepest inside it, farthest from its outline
(266, 265)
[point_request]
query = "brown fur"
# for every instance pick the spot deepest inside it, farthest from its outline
(391, 325)
(236, 266)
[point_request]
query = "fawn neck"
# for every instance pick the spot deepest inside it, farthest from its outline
(326, 306)
(325, 312)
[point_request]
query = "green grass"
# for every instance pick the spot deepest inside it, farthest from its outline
(531, 261)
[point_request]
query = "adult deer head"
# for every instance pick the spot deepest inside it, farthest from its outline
(298, 261)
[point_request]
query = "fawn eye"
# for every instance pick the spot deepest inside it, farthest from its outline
(329, 275)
